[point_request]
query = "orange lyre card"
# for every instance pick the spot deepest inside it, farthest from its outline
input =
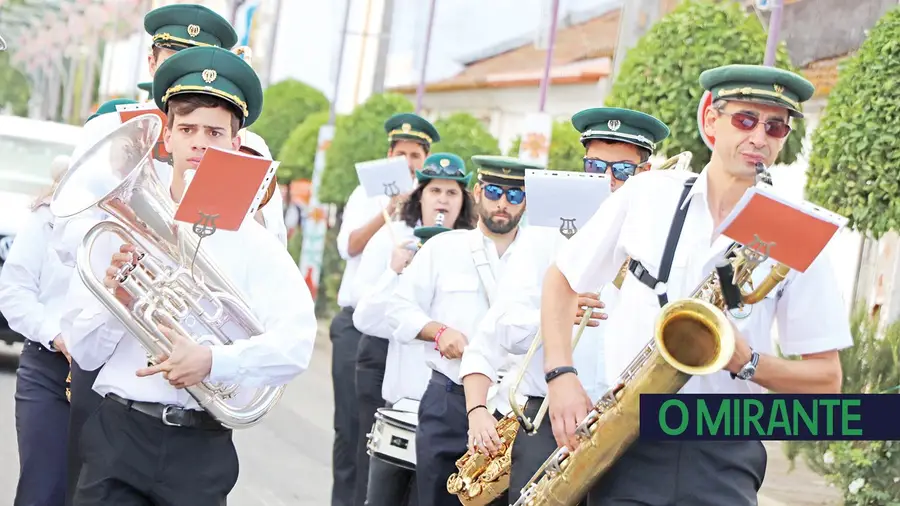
(128, 111)
(789, 231)
(227, 187)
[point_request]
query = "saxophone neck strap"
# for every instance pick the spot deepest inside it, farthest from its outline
(482, 264)
(658, 284)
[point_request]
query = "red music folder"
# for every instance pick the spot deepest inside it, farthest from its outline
(128, 111)
(791, 232)
(227, 187)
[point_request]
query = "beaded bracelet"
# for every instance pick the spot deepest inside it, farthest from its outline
(437, 336)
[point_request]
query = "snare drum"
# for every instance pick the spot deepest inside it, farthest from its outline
(393, 437)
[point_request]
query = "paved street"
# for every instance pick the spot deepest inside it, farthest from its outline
(286, 459)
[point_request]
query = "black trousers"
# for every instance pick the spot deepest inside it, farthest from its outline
(656, 473)
(371, 358)
(344, 345)
(390, 485)
(42, 423)
(441, 439)
(133, 459)
(84, 402)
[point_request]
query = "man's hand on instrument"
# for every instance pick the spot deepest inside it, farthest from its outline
(187, 365)
(126, 255)
(401, 256)
(451, 343)
(569, 404)
(483, 434)
(742, 352)
(591, 300)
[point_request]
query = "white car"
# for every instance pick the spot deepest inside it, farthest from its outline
(27, 148)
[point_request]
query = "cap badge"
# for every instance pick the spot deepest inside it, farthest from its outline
(209, 75)
(614, 124)
(445, 163)
(506, 170)
(779, 88)
(405, 128)
(193, 30)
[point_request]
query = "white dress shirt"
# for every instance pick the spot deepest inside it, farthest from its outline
(405, 373)
(442, 284)
(33, 283)
(269, 283)
(511, 325)
(360, 208)
(635, 220)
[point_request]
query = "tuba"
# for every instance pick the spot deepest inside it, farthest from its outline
(173, 281)
(692, 337)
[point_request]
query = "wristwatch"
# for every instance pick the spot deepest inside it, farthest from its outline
(749, 368)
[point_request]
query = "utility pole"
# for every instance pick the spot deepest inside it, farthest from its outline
(420, 91)
(270, 64)
(384, 47)
(774, 33)
(548, 63)
(340, 64)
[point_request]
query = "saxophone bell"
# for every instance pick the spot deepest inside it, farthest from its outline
(173, 282)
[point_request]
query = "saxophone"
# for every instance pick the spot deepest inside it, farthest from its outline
(692, 337)
(480, 479)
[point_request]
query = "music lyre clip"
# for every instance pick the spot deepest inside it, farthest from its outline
(567, 228)
(759, 249)
(205, 226)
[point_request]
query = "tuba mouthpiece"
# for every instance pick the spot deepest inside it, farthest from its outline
(439, 219)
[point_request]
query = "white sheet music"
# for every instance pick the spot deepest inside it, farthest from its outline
(564, 200)
(387, 176)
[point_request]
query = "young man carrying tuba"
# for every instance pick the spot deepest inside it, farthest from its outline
(150, 442)
(750, 120)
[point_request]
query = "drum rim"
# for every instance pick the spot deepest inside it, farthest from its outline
(384, 414)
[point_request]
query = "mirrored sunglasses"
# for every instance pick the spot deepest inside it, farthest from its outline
(437, 170)
(747, 122)
(514, 196)
(620, 170)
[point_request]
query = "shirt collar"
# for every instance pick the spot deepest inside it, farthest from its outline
(700, 186)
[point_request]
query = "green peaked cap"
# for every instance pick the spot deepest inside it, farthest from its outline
(620, 125)
(148, 86)
(211, 71)
(411, 127)
(759, 83)
(181, 26)
(110, 106)
(443, 166)
(502, 170)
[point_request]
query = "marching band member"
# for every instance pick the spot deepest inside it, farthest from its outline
(270, 212)
(172, 27)
(32, 288)
(442, 188)
(441, 297)
(617, 142)
(150, 442)
(409, 136)
(750, 119)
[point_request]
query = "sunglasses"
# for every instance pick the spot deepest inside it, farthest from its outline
(747, 122)
(514, 196)
(620, 170)
(436, 170)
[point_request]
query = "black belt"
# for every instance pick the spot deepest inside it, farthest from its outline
(445, 382)
(173, 416)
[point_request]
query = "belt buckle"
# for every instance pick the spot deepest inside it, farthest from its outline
(165, 417)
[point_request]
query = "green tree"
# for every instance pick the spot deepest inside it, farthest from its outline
(286, 105)
(854, 168)
(865, 471)
(465, 136)
(660, 75)
(14, 87)
(358, 137)
(299, 151)
(566, 151)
